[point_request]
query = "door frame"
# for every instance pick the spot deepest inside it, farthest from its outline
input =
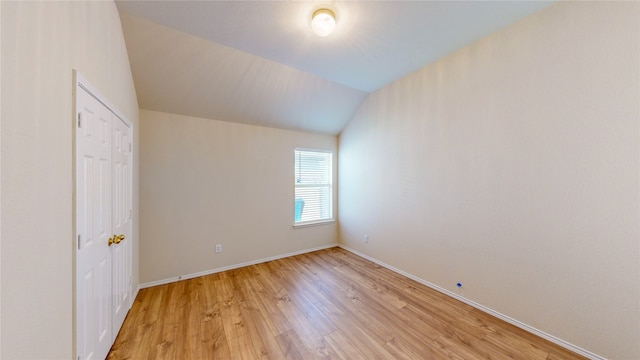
(79, 81)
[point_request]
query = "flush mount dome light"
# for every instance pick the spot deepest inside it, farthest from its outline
(323, 22)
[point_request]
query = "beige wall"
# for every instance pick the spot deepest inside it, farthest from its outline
(205, 182)
(0, 181)
(41, 43)
(512, 166)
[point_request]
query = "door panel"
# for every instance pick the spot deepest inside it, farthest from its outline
(93, 225)
(122, 180)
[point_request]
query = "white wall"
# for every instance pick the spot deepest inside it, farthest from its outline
(41, 43)
(512, 166)
(205, 182)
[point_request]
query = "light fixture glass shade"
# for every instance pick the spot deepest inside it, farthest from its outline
(323, 22)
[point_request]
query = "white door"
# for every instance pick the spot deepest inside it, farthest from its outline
(103, 223)
(121, 251)
(93, 227)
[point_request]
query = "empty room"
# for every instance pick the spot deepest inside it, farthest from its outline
(320, 179)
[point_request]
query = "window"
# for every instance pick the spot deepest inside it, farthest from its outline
(313, 185)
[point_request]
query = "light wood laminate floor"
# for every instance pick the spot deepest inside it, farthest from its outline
(326, 304)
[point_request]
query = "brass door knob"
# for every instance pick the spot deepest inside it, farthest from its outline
(116, 239)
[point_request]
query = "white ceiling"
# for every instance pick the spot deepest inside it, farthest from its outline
(257, 62)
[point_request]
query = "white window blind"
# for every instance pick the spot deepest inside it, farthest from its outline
(313, 185)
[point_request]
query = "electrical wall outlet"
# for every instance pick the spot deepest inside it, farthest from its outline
(366, 238)
(218, 248)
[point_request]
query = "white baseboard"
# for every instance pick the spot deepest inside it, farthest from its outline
(231, 267)
(531, 329)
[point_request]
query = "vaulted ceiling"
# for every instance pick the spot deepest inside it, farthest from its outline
(257, 62)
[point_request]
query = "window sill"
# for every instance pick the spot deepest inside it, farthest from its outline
(313, 223)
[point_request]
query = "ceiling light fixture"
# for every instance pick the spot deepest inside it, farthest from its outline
(323, 22)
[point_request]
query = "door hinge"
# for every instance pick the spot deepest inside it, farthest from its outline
(78, 241)
(130, 148)
(130, 216)
(80, 120)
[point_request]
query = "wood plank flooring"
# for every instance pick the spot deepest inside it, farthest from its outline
(329, 304)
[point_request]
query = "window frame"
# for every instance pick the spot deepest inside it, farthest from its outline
(330, 186)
